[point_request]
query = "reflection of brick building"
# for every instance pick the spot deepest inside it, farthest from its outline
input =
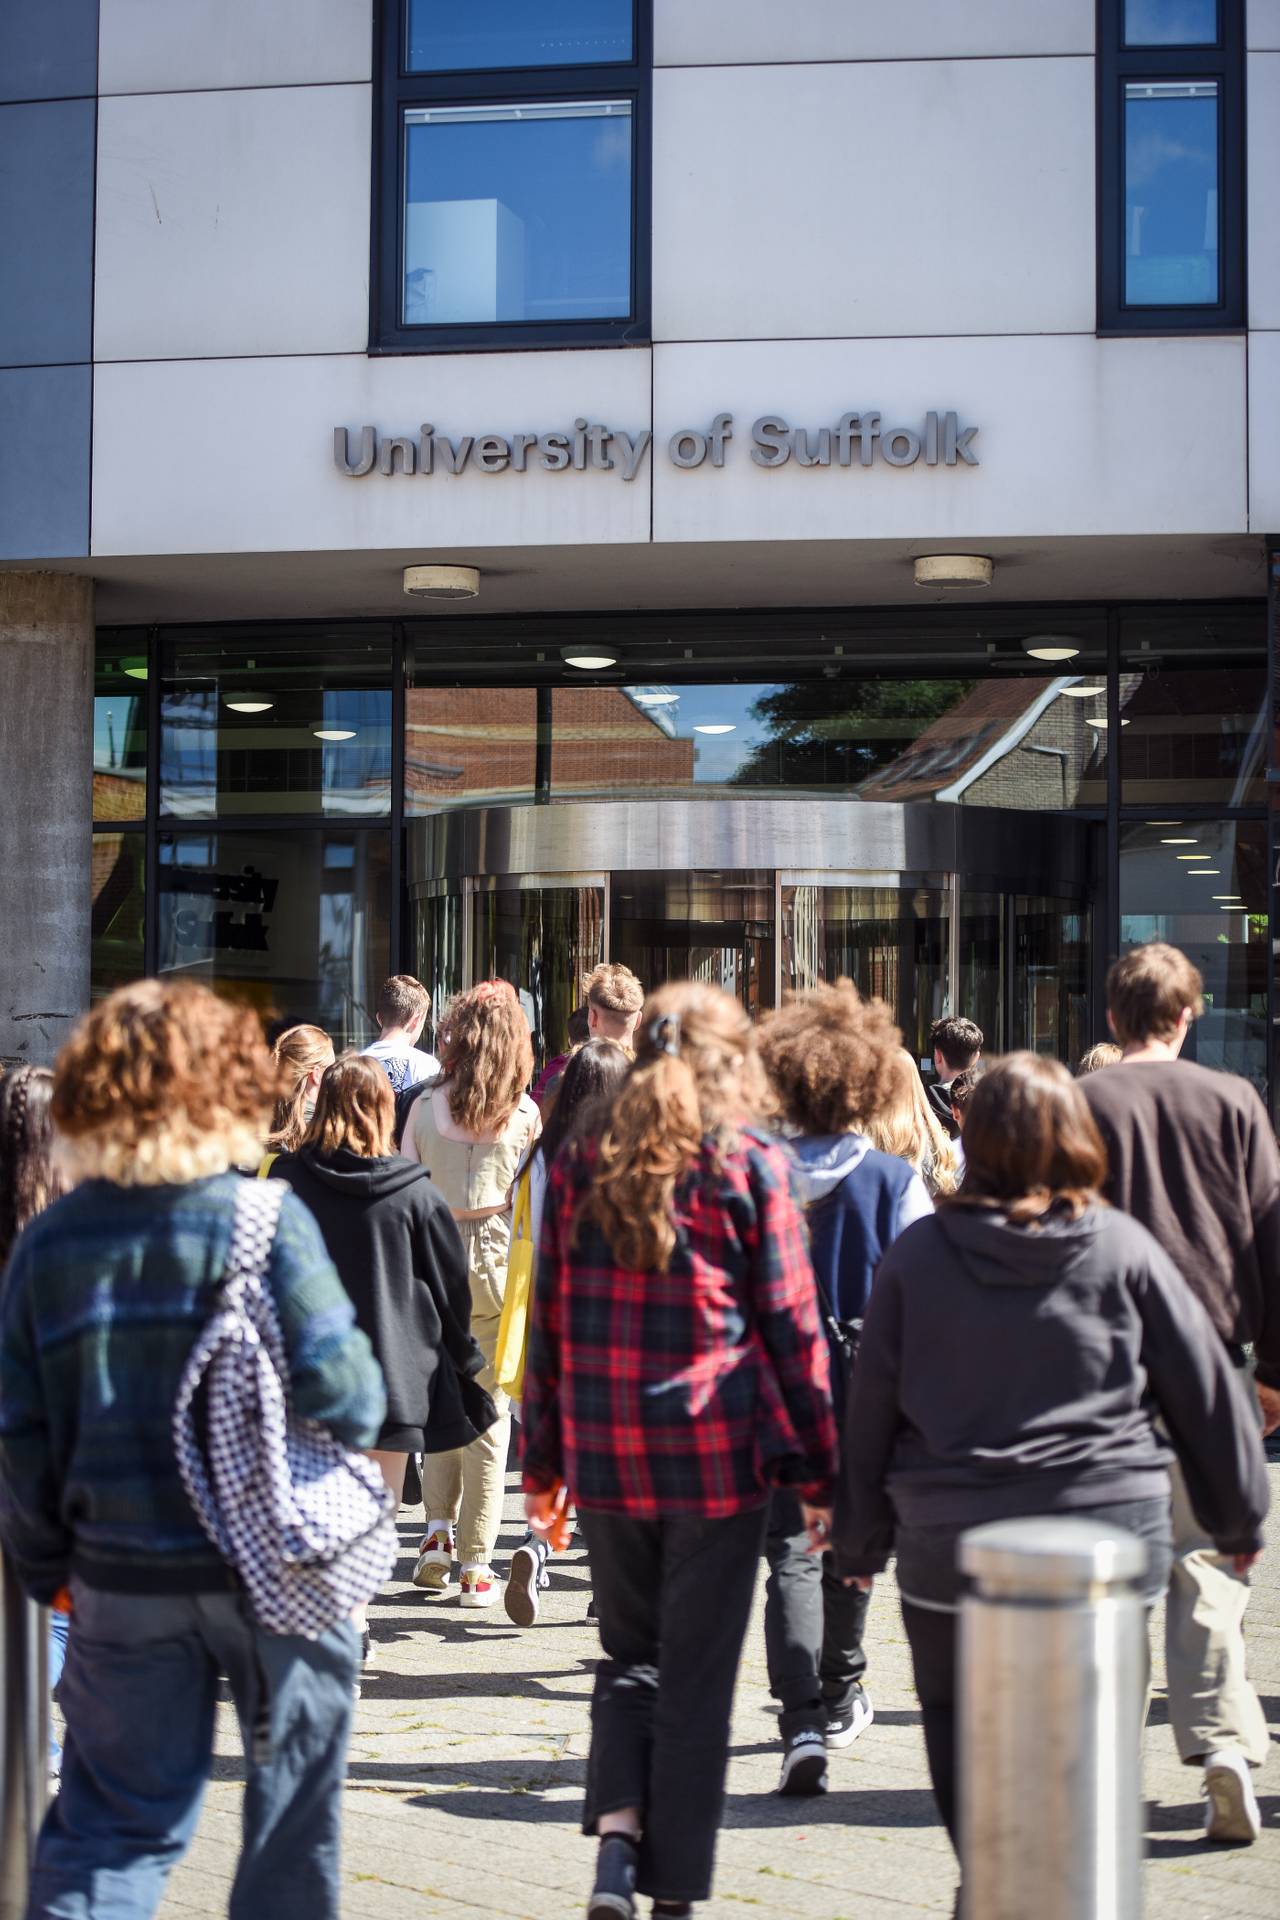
(471, 744)
(1017, 743)
(119, 796)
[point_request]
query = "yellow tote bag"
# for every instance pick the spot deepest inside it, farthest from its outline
(513, 1328)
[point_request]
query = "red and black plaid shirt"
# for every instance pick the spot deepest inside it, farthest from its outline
(688, 1391)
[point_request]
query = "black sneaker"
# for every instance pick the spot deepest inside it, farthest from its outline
(845, 1723)
(804, 1764)
(525, 1580)
(614, 1895)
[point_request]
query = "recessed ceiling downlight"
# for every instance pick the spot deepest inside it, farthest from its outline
(442, 583)
(588, 659)
(1051, 646)
(953, 570)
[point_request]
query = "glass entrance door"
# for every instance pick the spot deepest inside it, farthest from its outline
(716, 927)
(892, 938)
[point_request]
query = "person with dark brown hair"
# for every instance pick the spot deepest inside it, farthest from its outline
(832, 1059)
(472, 1132)
(162, 1091)
(676, 1370)
(1015, 1350)
(957, 1045)
(400, 1257)
(1191, 1154)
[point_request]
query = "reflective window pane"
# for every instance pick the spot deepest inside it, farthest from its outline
(517, 212)
(277, 726)
(714, 927)
(469, 746)
(1193, 693)
(1051, 978)
(1170, 23)
(1201, 884)
(1171, 193)
(544, 940)
(295, 923)
(892, 942)
(120, 728)
(116, 915)
(1028, 741)
(447, 38)
(981, 957)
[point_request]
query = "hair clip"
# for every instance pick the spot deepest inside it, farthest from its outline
(664, 1034)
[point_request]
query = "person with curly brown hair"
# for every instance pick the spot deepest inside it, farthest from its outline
(162, 1091)
(472, 1131)
(832, 1060)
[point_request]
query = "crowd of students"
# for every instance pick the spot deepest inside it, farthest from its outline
(789, 1306)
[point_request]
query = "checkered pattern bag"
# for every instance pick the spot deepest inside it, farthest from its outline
(308, 1525)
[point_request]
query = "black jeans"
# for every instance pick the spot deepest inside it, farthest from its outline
(927, 1570)
(672, 1600)
(813, 1625)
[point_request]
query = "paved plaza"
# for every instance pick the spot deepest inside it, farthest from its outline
(468, 1755)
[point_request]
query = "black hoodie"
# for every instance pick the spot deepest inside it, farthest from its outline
(400, 1257)
(1008, 1370)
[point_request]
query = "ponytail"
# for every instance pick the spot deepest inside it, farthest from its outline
(696, 1074)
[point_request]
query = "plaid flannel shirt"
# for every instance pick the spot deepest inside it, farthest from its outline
(688, 1391)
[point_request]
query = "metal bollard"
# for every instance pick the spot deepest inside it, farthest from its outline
(1052, 1695)
(24, 1737)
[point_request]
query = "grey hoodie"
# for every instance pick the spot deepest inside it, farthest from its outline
(1010, 1370)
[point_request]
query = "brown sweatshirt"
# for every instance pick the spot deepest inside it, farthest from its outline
(1192, 1155)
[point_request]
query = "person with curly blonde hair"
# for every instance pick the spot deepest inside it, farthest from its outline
(303, 1054)
(831, 1058)
(676, 1370)
(161, 1092)
(905, 1125)
(472, 1131)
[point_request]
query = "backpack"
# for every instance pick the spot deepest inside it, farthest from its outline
(307, 1524)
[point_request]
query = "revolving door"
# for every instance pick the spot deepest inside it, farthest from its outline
(933, 908)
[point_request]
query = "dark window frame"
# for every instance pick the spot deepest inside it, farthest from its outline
(1223, 62)
(395, 89)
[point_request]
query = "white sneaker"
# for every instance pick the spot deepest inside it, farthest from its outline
(477, 1588)
(1232, 1813)
(435, 1561)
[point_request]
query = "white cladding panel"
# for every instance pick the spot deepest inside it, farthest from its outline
(1264, 441)
(1262, 24)
(716, 32)
(236, 456)
(893, 198)
(233, 223)
(1076, 436)
(1263, 175)
(166, 46)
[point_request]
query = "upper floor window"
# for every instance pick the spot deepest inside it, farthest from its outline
(1170, 165)
(511, 178)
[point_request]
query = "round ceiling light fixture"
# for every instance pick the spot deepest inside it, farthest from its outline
(1051, 646)
(249, 706)
(588, 659)
(716, 726)
(1082, 693)
(135, 668)
(334, 733)
(953, 570)
(442, 583)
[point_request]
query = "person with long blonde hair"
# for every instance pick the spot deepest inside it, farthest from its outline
(472, 1131)
(905, 1125)
(303, 1055)
(677, 1369)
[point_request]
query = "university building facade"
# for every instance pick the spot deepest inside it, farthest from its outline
(760, 493)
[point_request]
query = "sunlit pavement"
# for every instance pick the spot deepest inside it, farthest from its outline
(468, 1756)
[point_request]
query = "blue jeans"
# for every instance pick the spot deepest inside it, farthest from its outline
(58, 1625)
(139, 1692)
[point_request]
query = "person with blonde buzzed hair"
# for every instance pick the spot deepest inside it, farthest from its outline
(614, 998)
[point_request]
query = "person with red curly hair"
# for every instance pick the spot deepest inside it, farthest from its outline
(472, 1131)
(158, 1096)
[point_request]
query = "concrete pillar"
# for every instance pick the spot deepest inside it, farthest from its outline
(46, 807)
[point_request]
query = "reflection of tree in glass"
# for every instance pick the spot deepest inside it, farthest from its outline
(837, 734)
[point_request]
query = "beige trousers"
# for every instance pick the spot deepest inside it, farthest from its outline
(1211, 1703)
(466, 1487)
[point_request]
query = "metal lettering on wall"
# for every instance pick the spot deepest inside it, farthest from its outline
(854, 440)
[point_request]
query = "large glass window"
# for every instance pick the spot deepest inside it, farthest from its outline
(276, 725)
(1193, 693)
(714, 927)
(296, 923)
(120, 728)
(469, 746)
(513, 174)
(892, 942)
(116, 926)
(1171, 164)
(1202, 885)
